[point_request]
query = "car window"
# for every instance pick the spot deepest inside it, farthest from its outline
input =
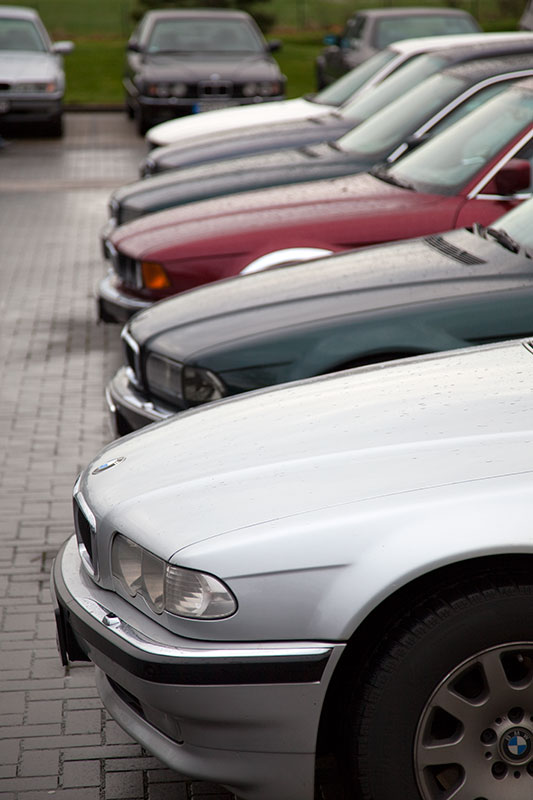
(389, 127)
(446, 163)
(470, 104)
(20, 34)
(405, 78)
(391, 30)
(342, 90)
(193, 35)
(353, 32)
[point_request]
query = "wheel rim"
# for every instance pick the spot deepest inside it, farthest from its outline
(474, 740)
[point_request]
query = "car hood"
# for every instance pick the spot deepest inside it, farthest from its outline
(224, 119)
(330, 441)
(15, 66)
(322, 211)
(257, 139)
(251, 307)
(235, 175)
(201, 66)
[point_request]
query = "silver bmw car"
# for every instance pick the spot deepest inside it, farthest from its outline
(32, 80)
(339, 565)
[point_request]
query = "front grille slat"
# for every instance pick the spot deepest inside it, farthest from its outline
(215, 89)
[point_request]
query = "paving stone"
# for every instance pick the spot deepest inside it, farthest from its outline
(39, 762)
(81, 773)
(52, 422)
(124, 785)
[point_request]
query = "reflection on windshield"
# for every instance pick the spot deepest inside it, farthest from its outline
(20, 34)
(391, 126)
(193, 35)
(518, 223)
(446, 163)
(342, 90)
(394, 86)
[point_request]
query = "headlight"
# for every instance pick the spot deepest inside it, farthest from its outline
(158, 89)
(164, 587)
(201, 386)
(164, 377)
(51, 86)
(261, 89)
(179, 89)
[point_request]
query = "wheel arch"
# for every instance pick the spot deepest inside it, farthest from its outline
(369, 633)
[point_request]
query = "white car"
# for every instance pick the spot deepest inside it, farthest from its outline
(357, 80)
(338, 565)
(32, 80)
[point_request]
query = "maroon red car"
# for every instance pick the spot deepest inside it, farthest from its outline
(474, 171)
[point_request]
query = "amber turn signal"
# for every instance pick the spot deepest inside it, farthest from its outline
(154, 275)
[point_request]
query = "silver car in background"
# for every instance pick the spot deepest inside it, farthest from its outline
(32, 80)
(343, 564)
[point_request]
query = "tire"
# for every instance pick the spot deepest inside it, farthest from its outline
(321, 82)
(408, 735)
(54, 128)
(142, 121)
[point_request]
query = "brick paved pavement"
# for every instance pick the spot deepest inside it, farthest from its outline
(56, 740)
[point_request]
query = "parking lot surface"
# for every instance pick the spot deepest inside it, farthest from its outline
(56, 740)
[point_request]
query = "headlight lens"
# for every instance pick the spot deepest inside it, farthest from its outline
(164, 377)
(178, 89)
(164, 587)
(201, 386)
(261, 89)
(51, 86)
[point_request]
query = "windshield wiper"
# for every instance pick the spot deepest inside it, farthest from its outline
(383, 173)
(503, 238)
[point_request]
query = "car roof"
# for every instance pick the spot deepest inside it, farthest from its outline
(486, 67)
(18, 12)
(411, 11)
(195, 13)
(427, 43)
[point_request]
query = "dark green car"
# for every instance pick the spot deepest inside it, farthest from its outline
(424, 295)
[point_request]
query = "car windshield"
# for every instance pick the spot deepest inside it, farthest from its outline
(342, 90)
(518, 224)
(20, 34)
(411, 27)
(212, 35)
(394, 86)
(446, 163)
(378, 136)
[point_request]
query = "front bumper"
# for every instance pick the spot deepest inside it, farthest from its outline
(113, 304)
(165, 108)
(35, 109)
(128, 408)
(244, 715)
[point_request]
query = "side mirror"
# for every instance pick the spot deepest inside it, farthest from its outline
(513, 178)
(63, 48)
(332, 40)
(274, 45)
(134, 46)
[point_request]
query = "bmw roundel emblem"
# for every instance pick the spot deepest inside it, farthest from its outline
(108, 465)
(516, 744)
